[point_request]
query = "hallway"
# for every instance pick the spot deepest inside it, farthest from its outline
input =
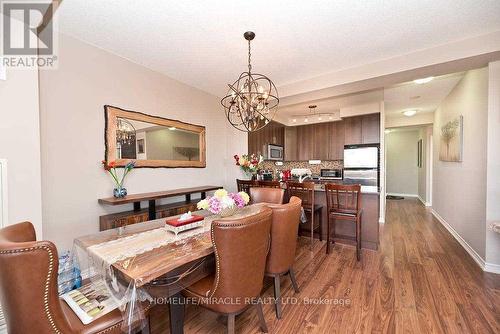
(420, 281)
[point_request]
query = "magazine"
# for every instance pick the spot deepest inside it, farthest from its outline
(91, 301)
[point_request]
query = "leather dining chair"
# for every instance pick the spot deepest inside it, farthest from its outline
(284, 232)
(241, 247)
(28, 288)
(267, 195)
(245, 185)
(343, 202)
(305, 191)
(269, 184)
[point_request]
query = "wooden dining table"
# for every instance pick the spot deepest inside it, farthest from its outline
(163, 272)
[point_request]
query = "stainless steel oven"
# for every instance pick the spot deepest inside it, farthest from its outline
(274, 152)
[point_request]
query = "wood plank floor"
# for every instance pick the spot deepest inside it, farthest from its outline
(420, 281)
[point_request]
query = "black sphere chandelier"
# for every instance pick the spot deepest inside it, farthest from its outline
(251, 101)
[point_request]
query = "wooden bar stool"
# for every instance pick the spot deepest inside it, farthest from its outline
(269, 184)
(305, 191)
(245, 185)
(343, 202)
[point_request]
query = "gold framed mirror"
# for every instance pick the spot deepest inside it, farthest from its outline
(152, 141)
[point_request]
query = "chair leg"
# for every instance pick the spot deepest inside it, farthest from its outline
(262, 320)
(312, 229)
(327, 235)
(230, 324)
(358, 239)
(146, 329)
(320, 224)
(277, 296)
(294, 281)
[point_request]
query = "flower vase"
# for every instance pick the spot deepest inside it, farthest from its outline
(120, 192)
(227, 212)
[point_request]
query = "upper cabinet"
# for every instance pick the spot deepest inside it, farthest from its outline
(321, 141)
(274, 133)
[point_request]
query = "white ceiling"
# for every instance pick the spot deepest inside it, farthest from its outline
(423, 98)
(201, 44)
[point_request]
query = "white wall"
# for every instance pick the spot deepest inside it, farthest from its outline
(459, 188)
(402, 171)
(493, 165)
(72, 116)
(20, 144)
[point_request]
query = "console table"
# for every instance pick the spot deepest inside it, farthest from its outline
(139, 215)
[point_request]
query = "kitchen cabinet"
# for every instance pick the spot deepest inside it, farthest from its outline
(321, 138)
(370, 129)
(305, 142)
(274, 133)
(336, 140)
(352, 130)
(291, 143)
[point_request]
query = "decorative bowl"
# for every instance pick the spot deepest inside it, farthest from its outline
(227, 212)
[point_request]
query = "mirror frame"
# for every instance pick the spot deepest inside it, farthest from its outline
(111, 115)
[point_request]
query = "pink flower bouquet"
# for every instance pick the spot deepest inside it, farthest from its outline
(224, 203)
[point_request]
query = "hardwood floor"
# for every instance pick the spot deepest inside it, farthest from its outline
(420, 281)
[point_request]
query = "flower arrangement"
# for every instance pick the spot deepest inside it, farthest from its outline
(111, 168)
(250, 164)
(224, 203)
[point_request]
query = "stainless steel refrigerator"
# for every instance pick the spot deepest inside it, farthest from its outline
(362, 166)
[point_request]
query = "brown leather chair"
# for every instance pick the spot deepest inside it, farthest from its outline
(28, 288)
(343, 202)
(267, 195)
(284, 231)
(241, 247)
(245, 185)
(305, 191)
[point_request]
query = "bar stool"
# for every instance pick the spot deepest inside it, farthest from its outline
(266, 195)
(305, 191)
(343, 202)
(245, 185)
(269, 184)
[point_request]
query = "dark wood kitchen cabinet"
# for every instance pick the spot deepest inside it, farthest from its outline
(321, 138)
(274, 133)
(336, 140)
(352, 130)
(305, 142)
(291, 143)
(370, 129)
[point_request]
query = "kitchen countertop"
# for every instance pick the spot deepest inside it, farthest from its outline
(320, 186)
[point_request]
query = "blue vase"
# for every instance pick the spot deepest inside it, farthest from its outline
(120, 192)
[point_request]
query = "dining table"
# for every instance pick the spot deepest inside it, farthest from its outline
(148, 260)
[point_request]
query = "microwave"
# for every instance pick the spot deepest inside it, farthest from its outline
(274, 152)
(331, 174)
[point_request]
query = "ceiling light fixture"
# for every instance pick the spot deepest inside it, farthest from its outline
(172, 128)
(423, 80)
(306, 120)
(409, 113)
(125, 132)
(294, 120)
(251, 101)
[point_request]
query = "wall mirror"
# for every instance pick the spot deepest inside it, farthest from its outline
(152, 141)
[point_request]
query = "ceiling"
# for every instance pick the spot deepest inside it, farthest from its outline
(421, 97)
(201, 44)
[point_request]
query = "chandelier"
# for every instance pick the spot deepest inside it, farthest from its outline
(251, 101)
(125, 132)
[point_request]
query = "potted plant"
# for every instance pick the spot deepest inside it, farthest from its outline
(250, 164)
(119, 191)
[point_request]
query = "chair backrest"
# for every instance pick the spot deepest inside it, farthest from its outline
(245, 185)
(284, 232)
(269, 184)
(241, 247)
(343, 198)
(267, 195)
(28, 282)
(302, 190)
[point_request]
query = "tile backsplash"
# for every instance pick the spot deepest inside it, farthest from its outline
(315, 169)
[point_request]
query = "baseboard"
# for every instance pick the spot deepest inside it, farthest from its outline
(403, 195)
(423, 202)
(489, 267)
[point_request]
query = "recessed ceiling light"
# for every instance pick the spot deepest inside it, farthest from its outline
(294, 120)
(172, 128)
(423, 80)
(387, 131)
(306, 120)
(320, 118)
(331, 117)
(409, 113)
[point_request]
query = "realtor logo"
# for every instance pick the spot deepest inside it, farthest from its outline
(28, 33)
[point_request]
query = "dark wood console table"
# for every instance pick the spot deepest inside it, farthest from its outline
(139, 215)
